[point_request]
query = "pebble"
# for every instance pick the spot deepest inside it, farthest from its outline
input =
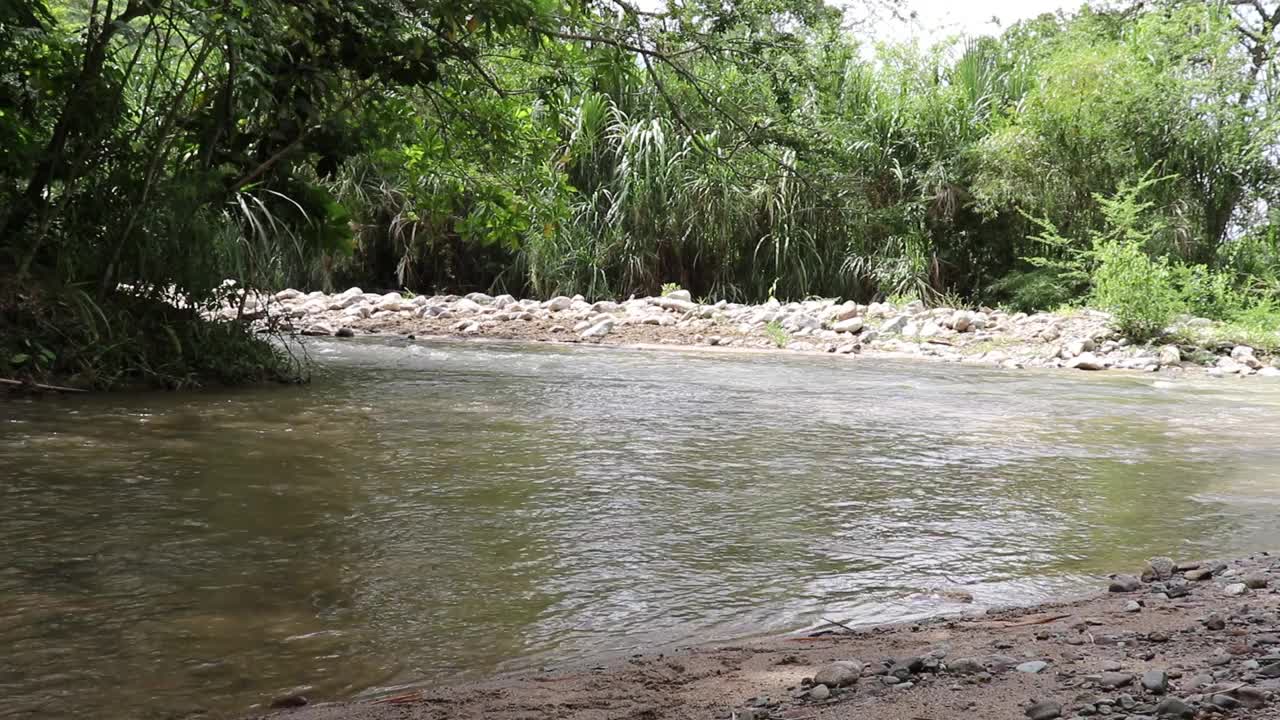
(1256, 581)
(1032, 667)
(1236, 589)
(1157, 681)
(1125, 583)
(819, 692)
(1132, 606)
(1174, 707)
(1045, 710)
(1115, 679)
(839, 673)
(1160, 568)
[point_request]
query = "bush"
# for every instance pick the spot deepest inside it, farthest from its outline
(63, 335)
(1040, 288)
(1136, 289)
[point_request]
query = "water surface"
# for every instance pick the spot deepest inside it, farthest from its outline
(428, 511)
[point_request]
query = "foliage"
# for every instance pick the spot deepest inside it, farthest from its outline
(1135, 288)
(776, 334)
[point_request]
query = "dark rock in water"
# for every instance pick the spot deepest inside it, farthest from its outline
(1158, 568)
(1174, 707)
(1125, 583)
(289, 701)
(1156, 681)
(1115, 679)
(1045, 710)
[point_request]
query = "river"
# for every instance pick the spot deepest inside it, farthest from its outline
(426, 511)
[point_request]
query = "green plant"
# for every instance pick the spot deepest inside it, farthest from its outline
(668, 288)
(776, 334)
(1135, 288)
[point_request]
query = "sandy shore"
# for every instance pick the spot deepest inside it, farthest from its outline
(1186, 640)
(1081, 340)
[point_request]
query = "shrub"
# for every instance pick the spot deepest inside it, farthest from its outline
(1136, 289)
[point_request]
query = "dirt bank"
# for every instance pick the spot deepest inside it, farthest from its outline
(1195, 640)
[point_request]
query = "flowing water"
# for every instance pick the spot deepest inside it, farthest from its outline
(429, 511)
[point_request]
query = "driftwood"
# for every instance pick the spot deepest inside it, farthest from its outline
(41, 386)
(838, 623)
(1025, 622)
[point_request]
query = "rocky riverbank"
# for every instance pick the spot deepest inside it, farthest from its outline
(1178, 640)
(1082, 340)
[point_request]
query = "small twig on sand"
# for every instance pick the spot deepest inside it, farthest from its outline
(397, 699)
(1027, 622)
(840, 624)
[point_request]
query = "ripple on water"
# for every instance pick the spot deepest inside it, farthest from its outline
(435, 509)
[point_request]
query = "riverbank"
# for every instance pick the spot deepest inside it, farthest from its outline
(1082, 340)
(1194, 639)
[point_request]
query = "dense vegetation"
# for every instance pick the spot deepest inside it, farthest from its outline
(1123, 156)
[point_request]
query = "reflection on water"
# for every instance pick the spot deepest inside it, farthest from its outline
(425, 511)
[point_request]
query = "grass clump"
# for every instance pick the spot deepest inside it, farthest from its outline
(776, 334)
(61, 335)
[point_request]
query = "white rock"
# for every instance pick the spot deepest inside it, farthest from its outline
(895, 325)
(352, 291)
(342, 302)
(1170, 355)
(803, 322)
(960, 320)
(1269, 372)
(1235, 589)
(675, 304)
(288, 294)
(558, 303)
(844, 312)
(318, 328)
(599, 330)
(480, 298)
(1229, 366)
(1240, 352)
(605, 306)
(466, 306)
(930, 329)
(850, 325)
(910, 329)
(1087, 361)
(503, 301)
(680, 295)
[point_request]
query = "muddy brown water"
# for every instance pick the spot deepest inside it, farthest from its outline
(442, 510)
